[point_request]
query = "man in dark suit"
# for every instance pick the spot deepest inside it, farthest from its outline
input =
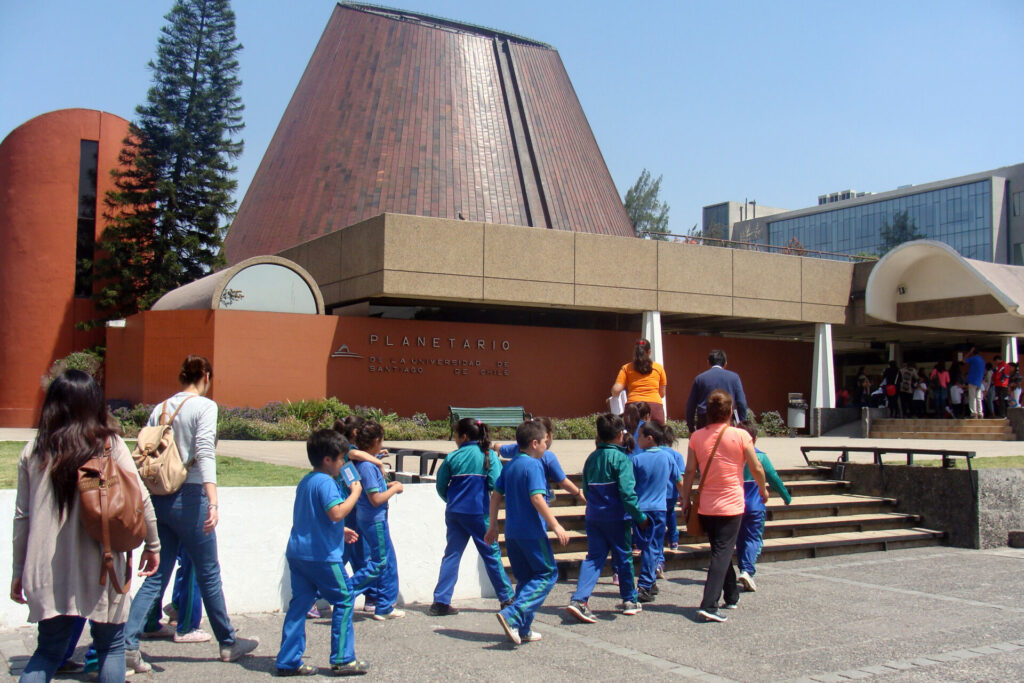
(715, 377)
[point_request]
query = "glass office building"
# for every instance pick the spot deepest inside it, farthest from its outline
(960, 216)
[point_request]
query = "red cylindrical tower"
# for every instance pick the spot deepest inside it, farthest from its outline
(54, 173)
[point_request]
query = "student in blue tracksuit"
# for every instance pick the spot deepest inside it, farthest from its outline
(609, 486)
(671, 501)
(465, 481)
(521, 486)
(553, 471)
(652, 469)
(315, 560)
(377, 574)
(751, 536)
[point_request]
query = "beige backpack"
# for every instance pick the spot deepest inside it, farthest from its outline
(156, 455)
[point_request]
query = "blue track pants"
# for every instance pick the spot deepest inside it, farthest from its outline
(376, 567)
(651, 542)
(603, 537)
(461, 528)
(308, 578)
(750, 540)
(533, 564)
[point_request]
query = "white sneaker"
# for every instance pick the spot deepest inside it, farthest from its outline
(393, 614)
(133, 661)
(196, 636)
(531, 637)
(747, 581)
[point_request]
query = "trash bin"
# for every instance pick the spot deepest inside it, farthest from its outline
(796, 416)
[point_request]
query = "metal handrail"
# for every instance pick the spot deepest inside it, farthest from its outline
(758, 246)
(877, 452)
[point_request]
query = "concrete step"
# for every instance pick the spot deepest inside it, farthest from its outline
(940, 436)
(795, 528)
(802, 507)
(695, 556)
(799, 487)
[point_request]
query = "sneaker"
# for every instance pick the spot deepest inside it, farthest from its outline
(134, 662)
(654, 588)
(660, 571)
(241, 647)
(644, 595)
(531, 637)
(303, 670)
(440, 609)
(731, 605)
(630, 608)
(581, 611)
(356, 667)
(506, 603)
(71, 667)
(615, 579)
(393, 614)
(165, 631)
(675, 545)
(711, 615)
(369, 607)
(171, 611)
(194, 636)
(747, 581)
(313, 613)
(510, 633)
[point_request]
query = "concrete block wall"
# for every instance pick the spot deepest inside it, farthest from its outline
(253, 533)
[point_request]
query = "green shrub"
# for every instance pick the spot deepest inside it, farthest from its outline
(772, 424)
(88, 362)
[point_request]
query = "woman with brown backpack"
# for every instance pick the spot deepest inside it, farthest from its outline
(61, 571)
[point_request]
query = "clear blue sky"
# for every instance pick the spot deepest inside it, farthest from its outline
(773, 101)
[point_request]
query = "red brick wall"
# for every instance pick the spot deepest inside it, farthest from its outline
(418, 366)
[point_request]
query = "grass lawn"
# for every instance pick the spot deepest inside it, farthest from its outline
(1010, 461)
(230, 471)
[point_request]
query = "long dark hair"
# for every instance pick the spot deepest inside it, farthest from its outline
(634, 414)
(642, 357)
(609, 427)
(349, 426)
(73, 428)
(478, 431)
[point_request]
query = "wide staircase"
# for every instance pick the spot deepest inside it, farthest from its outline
(958, 430)
(823, 519)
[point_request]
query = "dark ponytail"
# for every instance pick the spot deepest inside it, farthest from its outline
(478, 431)
(367, 433)
(642, 357)
(193, 368)
(654, 431)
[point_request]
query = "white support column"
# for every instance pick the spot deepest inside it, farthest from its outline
(823, 379)
(1010, 349)
(652, 333)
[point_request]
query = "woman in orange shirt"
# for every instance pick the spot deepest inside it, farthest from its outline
(643, 380)
(721, 496)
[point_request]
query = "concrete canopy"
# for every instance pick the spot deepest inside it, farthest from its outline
(927, 283)
(260, 283)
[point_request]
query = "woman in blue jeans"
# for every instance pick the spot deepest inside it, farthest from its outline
(188, 518)
(57, 565)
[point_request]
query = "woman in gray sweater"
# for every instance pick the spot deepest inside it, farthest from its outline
(189, 516)
(57, 565)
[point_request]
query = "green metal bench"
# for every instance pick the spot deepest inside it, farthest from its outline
(510, 416)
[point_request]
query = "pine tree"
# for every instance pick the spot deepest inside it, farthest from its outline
(173, 193)
(647, 213)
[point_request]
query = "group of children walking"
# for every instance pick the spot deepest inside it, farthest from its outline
(630, 487)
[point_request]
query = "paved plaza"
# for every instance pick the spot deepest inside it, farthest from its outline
(921, 614)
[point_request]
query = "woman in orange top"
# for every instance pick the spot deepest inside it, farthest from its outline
(643, 380)
(721, 496)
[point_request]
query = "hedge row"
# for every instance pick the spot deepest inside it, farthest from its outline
(295, 421)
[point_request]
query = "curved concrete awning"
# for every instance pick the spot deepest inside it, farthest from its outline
(927, 283)
(260, 283)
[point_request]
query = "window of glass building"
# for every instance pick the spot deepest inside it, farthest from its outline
(1018, 203)
(960, 216)
(86, 234)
